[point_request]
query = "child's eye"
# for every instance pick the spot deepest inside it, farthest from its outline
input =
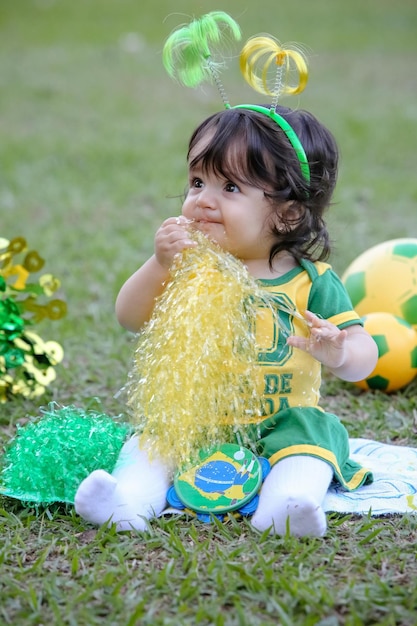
(197, 183)
(231, 188)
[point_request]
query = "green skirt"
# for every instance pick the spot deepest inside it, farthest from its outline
(312, 432)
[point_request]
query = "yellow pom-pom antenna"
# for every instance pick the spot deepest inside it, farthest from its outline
(268, 67)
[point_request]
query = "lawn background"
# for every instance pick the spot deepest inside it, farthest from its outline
(92, 158)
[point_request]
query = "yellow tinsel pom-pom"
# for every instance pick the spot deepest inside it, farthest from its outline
(194, 368)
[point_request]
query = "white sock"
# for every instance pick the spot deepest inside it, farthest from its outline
(293, 493)
(133, 493)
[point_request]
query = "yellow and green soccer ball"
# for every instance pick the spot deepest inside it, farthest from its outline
(397, 352)
(382, 284)
(384, 279)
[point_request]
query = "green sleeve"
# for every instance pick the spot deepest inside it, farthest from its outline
(329, 299)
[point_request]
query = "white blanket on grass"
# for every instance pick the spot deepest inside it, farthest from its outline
(394, 489)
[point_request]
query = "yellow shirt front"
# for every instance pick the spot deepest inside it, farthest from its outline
(290, 377)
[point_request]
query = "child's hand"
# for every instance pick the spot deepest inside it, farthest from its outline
(172, 238)
(326, 342)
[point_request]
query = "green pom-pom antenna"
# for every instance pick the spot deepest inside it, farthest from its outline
(187, 55)
(51, 456)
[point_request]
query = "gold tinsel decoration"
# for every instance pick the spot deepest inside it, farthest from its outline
(27, 362)
(194, 373)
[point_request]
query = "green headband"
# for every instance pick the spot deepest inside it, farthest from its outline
(288, 130)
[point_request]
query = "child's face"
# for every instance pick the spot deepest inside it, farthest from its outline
(237, 216)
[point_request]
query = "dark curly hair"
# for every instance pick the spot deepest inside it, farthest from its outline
(249, 147)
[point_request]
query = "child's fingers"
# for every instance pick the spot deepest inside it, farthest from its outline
(171, 239)
(174, 231)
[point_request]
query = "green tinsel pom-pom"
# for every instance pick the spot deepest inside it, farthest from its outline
(49, 457)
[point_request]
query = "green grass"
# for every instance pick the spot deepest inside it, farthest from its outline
(59, 571)
(92, 159)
